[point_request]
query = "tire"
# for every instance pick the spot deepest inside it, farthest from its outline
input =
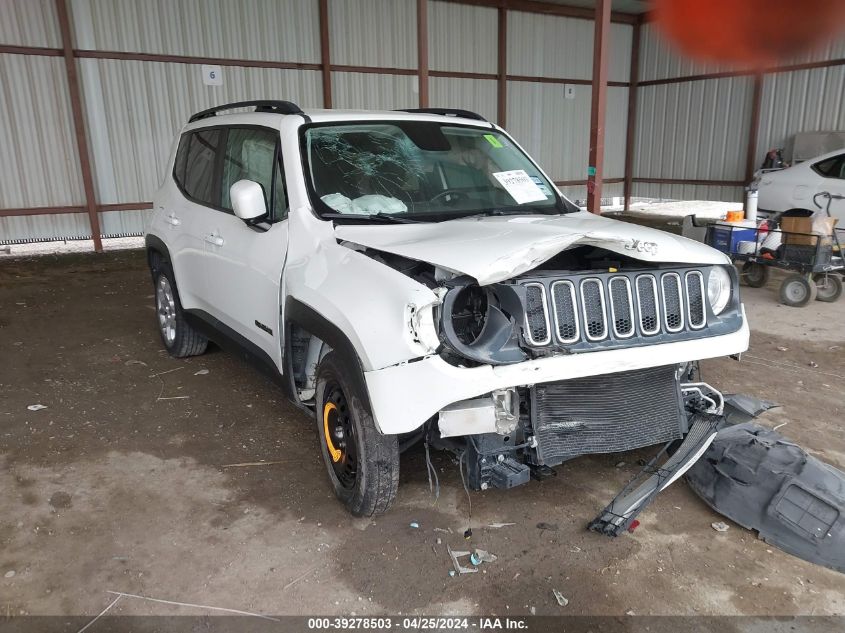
(362, 463)
(754, 275)
(179, 338)
(797, 291)
(829, 287)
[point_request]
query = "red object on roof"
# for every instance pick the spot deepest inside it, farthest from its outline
(748, 32)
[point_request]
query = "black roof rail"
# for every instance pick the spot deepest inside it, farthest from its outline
(274, 107)
(464, 114)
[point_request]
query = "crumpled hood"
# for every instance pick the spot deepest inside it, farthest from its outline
(495, 248)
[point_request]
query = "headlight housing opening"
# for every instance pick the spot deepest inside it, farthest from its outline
(470, 314)
(718, 289)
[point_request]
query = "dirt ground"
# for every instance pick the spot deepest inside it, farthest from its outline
(129, 481)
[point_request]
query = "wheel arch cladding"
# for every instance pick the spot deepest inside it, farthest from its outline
(302, 315)
(156, 248)
(761, 480)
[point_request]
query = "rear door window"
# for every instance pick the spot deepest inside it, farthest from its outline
(181, 160)
(199, 182)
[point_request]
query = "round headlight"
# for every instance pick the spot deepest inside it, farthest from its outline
(718, 289)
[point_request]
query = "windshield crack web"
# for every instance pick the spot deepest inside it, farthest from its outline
(367, 164)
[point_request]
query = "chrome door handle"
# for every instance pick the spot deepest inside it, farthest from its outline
(215, 239)
(172, 220)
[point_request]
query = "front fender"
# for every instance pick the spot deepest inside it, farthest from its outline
(365, 299)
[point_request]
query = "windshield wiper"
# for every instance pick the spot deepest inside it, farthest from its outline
(523, 210)
(381, 215)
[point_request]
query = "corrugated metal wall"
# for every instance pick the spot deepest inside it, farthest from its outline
(699, 130)
(133, 108)
(29, 23)
(373, 33)
(690, 130)
(552, 46)
(246, 29)
(659, 60)
(556, 130)
(694, 130)
(553, 128)
(141, 105)
(462, 38)
(476, 95)
(800, 101)
(37, 151)
(368, 91)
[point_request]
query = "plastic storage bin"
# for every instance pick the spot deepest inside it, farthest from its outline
(726, 237)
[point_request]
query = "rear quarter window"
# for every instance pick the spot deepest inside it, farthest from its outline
(832, 167)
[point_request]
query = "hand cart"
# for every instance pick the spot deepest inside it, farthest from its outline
(816, 261)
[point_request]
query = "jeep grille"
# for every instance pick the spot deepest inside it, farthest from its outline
(582, 311)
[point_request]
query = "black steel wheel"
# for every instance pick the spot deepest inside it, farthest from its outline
(797, 290)
(339, 436)
(362, 463)
(828, 287)
(754, 275)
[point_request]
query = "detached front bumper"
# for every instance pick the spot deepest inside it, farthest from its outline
(404, 396)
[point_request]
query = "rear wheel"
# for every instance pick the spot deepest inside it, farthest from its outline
(755, 275)
(797, 290)
(362, 463)
(178, 336)
(828, 287)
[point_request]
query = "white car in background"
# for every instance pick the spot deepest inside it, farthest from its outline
(795, 187)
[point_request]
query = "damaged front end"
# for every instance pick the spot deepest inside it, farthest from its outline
(592, 349)
(579, 304)
(614, 304)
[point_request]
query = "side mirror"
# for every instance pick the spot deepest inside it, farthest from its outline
(247, 200)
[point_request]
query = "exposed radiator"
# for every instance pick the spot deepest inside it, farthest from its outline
(606, 414)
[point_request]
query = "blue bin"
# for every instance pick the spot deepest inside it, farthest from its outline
(727, 238)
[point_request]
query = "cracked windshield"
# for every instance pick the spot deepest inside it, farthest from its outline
(420, 168)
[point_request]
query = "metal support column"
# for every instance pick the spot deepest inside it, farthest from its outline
(598, 107)
(754, 128)
(79, 123)
(502, 70)
(631, 132)
(422, 50)
(325, 53)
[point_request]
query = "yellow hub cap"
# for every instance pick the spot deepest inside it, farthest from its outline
(335, 453)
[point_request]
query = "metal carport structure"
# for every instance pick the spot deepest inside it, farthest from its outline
(95, 91)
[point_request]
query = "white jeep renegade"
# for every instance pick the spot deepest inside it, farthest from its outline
(414, 276)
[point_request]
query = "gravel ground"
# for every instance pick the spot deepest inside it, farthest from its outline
(132, 479)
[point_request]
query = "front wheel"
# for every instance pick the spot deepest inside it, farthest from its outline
(797, 291)
(828, 286)
(362, 463)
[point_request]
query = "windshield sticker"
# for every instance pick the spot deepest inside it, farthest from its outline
(542, 186)
(520, 186)
(493, 141)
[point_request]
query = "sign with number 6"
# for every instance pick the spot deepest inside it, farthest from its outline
(212, 75)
